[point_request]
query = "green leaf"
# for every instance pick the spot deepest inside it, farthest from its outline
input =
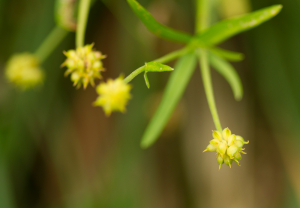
(229, 73)
(65, 13)
(155, 67)
(174, 91)
(228, 28)
(157, 28)
(229, 55)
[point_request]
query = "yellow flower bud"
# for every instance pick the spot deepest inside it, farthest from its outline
(226, 133)
(220, 160)
(85, 63)
(24, 71)
(217, 135)
(113, 95)
(228, 147)
(232, 150)
(231, 139)
(222, 148)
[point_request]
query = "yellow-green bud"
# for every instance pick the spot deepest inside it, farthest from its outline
(217, 135)
(113, 95)
(24, 71)
(222, 148)
(232, 150)
(228, 147)
(227, 160)
(85, 63)
(226, 133)
(231, 140)
(220, 160)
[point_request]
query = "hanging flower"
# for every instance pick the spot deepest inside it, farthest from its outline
(228, 147)
(113, 95)
(24, 71)
(84, 65)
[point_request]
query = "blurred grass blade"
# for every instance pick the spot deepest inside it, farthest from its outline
(228, 28)
(157, 28)
(229, 73)
(65, 14)
(229, 55)
(173, 92)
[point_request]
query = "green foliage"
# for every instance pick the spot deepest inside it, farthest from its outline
(207, 39)
(173, 92)
(157, 28)
(228, 72)
(155, 67)
(228, 28)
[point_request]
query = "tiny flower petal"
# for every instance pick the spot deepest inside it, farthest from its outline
(210, 148)
(241, 139)
(227, 160)
(220, 160)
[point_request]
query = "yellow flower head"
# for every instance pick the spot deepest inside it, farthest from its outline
(24, 70)
(84, 65)
(113, 95)
(228, 147)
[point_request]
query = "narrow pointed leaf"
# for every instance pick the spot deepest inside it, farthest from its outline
(230, 27)
(229, 73)
(229, 55)
(173, 92)
(155, 67)
(157, 28)
(146, 80)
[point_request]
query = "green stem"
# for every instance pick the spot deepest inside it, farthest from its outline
(202, 10)
(50, 43)
(84, 7)
(206, 77)
(169, 57)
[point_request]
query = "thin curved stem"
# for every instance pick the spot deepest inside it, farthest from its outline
(169, 57)
(50, 43)
(84, 7)
(206, 77)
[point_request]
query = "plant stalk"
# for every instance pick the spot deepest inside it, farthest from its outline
(84, 7)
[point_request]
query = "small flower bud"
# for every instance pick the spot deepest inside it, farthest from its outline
(239, 143)
(217, 135)
(222, 148)
(220, 160)
(113, 95)
(215, 142)
(85, 63)
(227, 160)
(231, 140)
(210, 148)
(24, 71)
(232, 150)
(241, 139)
(226, 133)
(238, 156)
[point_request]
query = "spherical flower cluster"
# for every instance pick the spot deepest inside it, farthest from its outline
(228, 147)
(113, 95)
(24, 70)
(84, 65)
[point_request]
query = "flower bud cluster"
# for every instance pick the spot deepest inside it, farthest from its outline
(228, 147)
(24, 70)
(113, 95)
(84, 65)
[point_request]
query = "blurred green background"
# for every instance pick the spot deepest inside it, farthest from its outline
(57, 150)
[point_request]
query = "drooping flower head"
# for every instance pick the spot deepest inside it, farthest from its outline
(84, 65)
(113, 95)
(24, 71)
(228, 147)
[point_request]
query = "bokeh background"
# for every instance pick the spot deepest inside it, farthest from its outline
(57, 150)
